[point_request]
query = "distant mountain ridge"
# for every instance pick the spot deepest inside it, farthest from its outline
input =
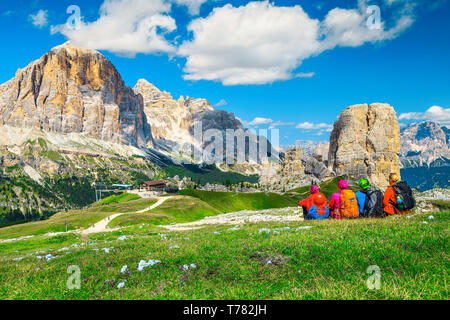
(423, 143)
(172, 121)
(75, 90)
(425, 155)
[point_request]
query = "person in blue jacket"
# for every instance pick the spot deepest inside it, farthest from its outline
(361, 195)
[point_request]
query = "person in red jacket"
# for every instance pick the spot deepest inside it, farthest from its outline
(307, 203)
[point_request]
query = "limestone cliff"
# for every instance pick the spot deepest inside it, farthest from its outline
(172, 121)
(292, 163)
(365, 142)
(72, 89)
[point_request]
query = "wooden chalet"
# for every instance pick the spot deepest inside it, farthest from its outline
(156, 185)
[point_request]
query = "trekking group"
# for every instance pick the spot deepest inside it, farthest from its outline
(368, 202)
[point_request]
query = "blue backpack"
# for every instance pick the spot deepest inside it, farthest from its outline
(361, 199)
(318, 213)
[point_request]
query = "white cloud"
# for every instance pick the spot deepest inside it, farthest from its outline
(348, 28)
(314, 126)
(304, 75)
(221, 103)
(252, 44)
(40, 19)
(261, 43)
(434, 113)
(256, 43)
(259, 121)
(126, 27)
(280, 123)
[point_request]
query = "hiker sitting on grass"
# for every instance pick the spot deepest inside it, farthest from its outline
(370, 201)
(315, 206)
(398, 198)
(336, 200)
(344, 203)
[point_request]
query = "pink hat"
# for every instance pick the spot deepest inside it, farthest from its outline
(314, 189)
(342, 184)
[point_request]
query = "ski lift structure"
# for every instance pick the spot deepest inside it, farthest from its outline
(101, 188)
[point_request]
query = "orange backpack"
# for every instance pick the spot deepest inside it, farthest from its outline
(349, 204)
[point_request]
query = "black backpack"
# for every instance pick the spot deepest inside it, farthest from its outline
(404, 192)
(373, 206)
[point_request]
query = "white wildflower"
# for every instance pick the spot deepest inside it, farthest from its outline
(143, 264)
(49, 257)
(121, 285)
(303, 228)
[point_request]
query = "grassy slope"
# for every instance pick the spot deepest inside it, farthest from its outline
(124, 197)
(205, 204)
(175, 210)
(441, 204)
(328, 261)
(231, 201)
(75, 218)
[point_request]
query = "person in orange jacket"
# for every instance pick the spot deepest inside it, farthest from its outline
(390, 197)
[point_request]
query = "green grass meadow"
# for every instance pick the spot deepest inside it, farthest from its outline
(77, 219)
(233, 201)
(327, 261)
(174, 210)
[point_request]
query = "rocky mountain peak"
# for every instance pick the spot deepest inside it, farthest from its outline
(74, 89)
(172, 120)
(74, 50)
(144, 84)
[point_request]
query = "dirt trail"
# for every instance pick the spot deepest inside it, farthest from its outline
(241, 217)
(102, 226)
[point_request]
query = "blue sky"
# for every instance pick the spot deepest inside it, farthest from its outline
(293, 65)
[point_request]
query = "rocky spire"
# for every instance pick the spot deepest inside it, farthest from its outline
(365, 142)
